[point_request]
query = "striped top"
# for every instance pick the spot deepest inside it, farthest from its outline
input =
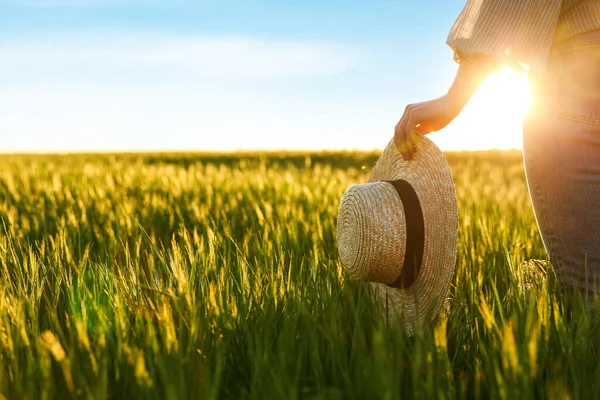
(520, 31)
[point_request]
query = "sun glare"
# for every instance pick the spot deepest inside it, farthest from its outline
(493, 117)
(506, 90)
(500, 104)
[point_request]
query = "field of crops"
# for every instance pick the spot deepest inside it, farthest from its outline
(216, 276)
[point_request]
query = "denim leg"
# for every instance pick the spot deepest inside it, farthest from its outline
(562, 164)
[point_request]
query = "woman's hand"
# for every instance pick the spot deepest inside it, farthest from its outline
(423, 118)
(431, 116)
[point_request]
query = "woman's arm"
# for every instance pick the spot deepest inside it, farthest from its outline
(431, 116)
(486, 35)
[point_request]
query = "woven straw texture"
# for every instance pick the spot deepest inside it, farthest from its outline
(370, 231)
(371, 227)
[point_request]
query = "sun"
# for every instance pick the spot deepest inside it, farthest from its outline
(506, 90)
(493, 117)
(498, 108)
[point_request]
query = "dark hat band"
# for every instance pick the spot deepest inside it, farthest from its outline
(415, 234)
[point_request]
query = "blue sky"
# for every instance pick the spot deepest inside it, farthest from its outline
(224, 75)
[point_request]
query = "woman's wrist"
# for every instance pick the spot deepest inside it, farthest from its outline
(472, 71)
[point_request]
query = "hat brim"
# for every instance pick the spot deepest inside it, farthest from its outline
(429, 174)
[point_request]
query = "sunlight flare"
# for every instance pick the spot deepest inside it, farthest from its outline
(500, 105)
(492, 119)
(507, 90)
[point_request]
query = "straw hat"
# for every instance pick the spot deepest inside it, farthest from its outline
(399, 232)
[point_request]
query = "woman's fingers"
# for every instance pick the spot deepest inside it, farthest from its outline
(398, 139)
(421, 119)
(400, 131)
(405, 134)
(411, 139)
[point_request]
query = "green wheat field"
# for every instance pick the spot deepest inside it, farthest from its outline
(212, 276)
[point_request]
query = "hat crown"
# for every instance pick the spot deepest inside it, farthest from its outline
(371, 232)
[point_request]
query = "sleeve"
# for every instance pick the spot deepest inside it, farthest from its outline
(515, 31)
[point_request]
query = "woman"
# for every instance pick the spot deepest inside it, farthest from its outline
(558, 43)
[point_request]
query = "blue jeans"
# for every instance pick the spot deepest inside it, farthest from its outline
(561, 150)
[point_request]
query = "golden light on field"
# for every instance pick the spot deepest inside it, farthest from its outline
(493, 117)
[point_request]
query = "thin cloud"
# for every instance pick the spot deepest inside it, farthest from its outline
(229, 57)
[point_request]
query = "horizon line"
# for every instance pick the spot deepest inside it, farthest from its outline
(230, 151)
